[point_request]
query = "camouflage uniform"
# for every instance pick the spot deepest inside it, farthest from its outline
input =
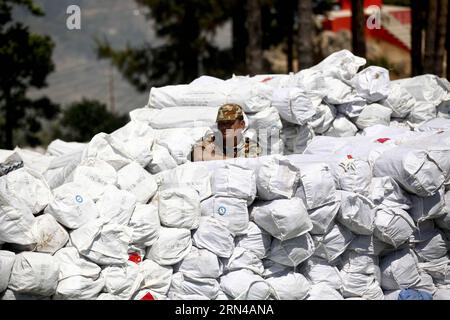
(246, 147)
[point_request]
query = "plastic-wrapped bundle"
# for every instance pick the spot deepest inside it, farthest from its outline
(429, 243)
(386, 193)
(341, 65)
(421, 113)
(162, 160)
(359, 285)
(284, 219)
(321, 291)
(323, 119)
(400, 101)
(428, 208)
(16, 221)
(341, 127)
(323, 217)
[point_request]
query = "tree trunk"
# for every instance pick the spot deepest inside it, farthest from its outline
(290, 36)
(189, 39)
(430, 40)
(358, 28)
(9, 126)
(240, 36)
(448, 44)
(440, 38)
(254, 53)
(417, 25)
(305, 34)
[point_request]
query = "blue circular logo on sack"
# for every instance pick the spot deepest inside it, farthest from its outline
(222, 210)
(79, 199)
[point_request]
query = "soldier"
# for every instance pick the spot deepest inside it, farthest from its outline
(229, 141)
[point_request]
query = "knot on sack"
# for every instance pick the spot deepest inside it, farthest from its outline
(348, 164)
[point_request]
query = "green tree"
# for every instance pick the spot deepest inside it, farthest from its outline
(26, 62)
(186, 28)
(83, 120)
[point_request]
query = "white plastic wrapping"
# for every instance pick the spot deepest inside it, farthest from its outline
(179, 208)
(134, 179)
(213, 234)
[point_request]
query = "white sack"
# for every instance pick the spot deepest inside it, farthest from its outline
(341, 127)
(428, 208)
(116, 206)
(137, 138)
(104, 244)
(243, 259)
(134, 179)
(429, 243)
(400, 101)
(373, 83)
(323, 119)
(155, 277)
(399, 270)
(435, 125)
(72, 206)
(234, 182)
(172, 246)
(27, 187)
(7, 259)
(293, 105)
(357, 213)
(319, 271)
(179, 208)
(34, 273)
(290, 286)
(426, 88)
(190, 175)
(331, 245)
(94, 175)
(16, 220)
(386, 193)
(255, 240)
(245, 285)
(284, 219)
(358, 285)
(421, 113)
(233, 212)
(213, 234)
(161, 160)
(341, 65)
(49, 235)
(292, 252)
(323, 292)
(145, 224)
(393, 226)
(276, 178)
(186, 287)
(122, 281)
(414, 169)
(79, 279)
(200, 263)
(374, 114)
(322, 217)
(106, 147)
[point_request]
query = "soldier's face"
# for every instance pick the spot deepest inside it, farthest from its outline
(230, 128)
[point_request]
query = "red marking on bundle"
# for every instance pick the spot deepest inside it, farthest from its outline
(267, 79)
(383, 140)
(148, 296)
(349, 157)
(134, 257)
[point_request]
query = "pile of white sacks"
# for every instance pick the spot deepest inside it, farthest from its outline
(362, 213)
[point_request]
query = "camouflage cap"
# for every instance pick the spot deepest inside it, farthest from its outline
(229, 112)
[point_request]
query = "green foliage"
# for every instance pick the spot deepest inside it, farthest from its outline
(83, 120)
(26, 60)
